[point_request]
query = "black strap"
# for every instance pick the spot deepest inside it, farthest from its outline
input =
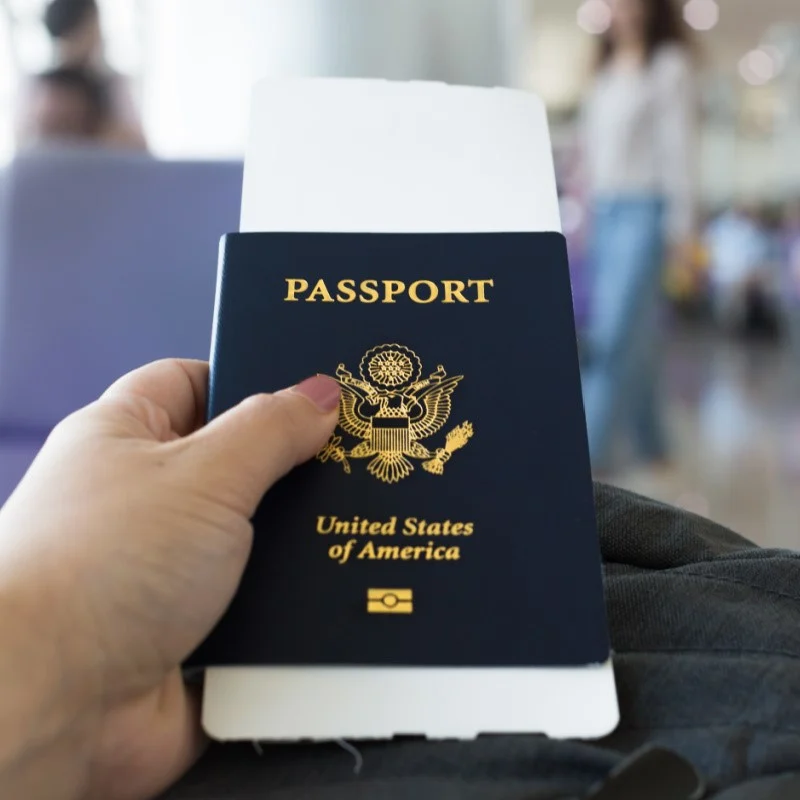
(653, 773)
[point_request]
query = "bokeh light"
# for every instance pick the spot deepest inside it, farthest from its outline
(758, 67)
(702, 15)
(594, 16)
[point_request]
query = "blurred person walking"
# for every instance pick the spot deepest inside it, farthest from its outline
(74, 26)
(637, 128)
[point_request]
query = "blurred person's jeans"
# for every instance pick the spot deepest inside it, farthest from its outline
(620, 382)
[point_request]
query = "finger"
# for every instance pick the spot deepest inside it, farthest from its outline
(244, 451)
(176, 386)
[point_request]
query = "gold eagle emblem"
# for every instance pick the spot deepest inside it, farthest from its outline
(391, 409)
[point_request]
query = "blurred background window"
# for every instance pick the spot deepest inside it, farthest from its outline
(750, 66)
(193, 62)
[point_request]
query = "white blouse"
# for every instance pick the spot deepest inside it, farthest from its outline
(638, 135)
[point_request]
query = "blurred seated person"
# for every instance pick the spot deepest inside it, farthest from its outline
(67, 105)
(74, 26)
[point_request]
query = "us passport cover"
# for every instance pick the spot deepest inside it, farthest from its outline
(449, 520)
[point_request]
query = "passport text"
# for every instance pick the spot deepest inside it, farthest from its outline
(422, 292)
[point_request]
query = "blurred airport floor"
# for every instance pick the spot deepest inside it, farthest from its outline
(734, 416)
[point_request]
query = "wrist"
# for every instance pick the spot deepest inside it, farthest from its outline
(43, 718)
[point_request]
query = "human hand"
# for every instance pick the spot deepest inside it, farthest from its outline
(119, 551)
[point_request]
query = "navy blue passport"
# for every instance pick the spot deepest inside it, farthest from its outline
(450, 518)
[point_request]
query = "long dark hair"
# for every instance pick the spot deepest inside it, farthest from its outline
(663, 26)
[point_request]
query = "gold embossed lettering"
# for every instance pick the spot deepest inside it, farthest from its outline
(324, 528)
(432, 288)
(410, 526)
(481, 286)
(367, 551)
(389, 528)
(294, 287)
(347, 291)
(392, 289)
(320, 290)
(369, 292)
(454, 291)
(341, 552)
(389, 291)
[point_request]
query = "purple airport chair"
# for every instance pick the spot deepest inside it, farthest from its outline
(107, 261)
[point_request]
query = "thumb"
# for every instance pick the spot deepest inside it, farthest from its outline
(242, 453)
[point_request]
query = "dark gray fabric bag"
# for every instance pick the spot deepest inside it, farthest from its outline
(706, 632)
